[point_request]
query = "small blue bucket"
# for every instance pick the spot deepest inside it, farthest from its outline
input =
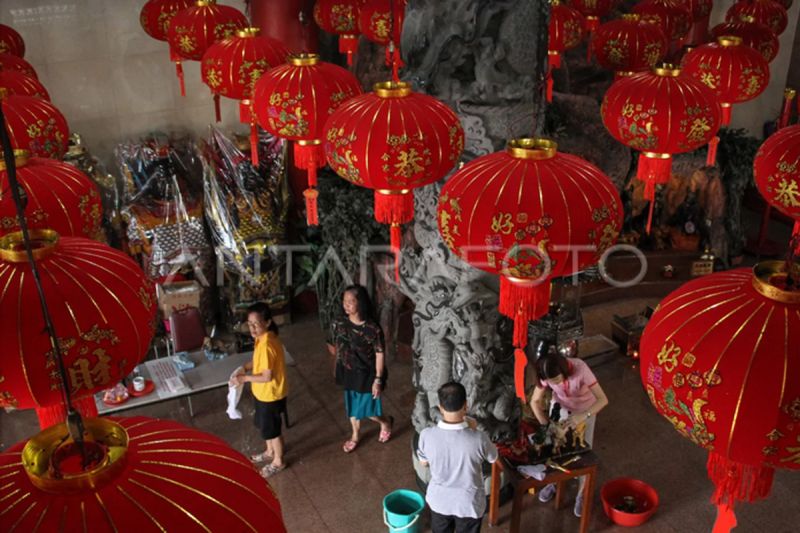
(402, 509)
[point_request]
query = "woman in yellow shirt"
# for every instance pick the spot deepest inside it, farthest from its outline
(267, 374)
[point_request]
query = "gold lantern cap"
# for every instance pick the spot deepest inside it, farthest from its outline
(12, 246)
(729, 40)
(667, 70)
(45, 455)
(20, 159)
(204, 3)
(631, 16)
(392, 89)
(532, 148)
(770, 279)
(747, 18)
(303, 59)
(250, 31)
(789, 93)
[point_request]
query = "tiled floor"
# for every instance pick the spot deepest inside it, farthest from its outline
(325, 490)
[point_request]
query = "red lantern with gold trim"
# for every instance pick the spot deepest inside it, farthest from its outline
(393, 140)
(660, 113)
(735, 72)
(674, 17)
(767, 12)
(719, 360)
(232, 67)
(565, 32)
(12, 62)
(192, 31)
(529, 214)
(776, 169)
(156, 15)
(381, 21)
(293, 101)
(340, 17)
(628, 45)
(752, 34)
(59, 197)
(144, 475)
(103, 310)
(35, 125)
(11, 41)
(16, 82)
(593, 11)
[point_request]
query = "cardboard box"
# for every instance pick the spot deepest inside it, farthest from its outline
(178, 295)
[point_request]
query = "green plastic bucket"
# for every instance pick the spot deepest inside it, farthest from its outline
(402, 509)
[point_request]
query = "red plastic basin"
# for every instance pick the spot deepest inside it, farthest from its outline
(613, 493)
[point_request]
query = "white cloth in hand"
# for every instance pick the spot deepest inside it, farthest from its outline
(537, 472)
(234, 395)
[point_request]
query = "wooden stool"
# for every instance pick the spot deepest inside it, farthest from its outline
(586, 466)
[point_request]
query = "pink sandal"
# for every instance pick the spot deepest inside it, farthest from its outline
(349, 446)
(386, 435)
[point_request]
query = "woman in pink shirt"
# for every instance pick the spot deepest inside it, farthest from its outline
(576, 390)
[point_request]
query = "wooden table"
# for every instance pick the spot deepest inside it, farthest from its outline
(586, 466)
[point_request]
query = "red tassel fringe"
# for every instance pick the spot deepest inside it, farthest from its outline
(56, 414)
(549, 94)
(523, 301)
(726, 519)
(554, 59)
(738, 482)
(726, 114)
(655, 168)
(711, 158)
(245, 112)
(312, 215)
(254, 144)
(179, 72)
(520, 362)
(786, 115)
(348, 44)
(395, 208)
(217, 112)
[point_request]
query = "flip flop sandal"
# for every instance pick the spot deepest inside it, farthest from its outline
(260, 457)
(269, 470)
(386, 435)
(349, 446)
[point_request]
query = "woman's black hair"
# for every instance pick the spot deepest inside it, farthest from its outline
(262, 310)
(552, 366)
(364, 304)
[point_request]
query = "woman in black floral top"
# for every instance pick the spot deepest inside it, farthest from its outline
(360, 364)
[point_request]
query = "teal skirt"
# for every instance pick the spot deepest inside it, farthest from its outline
(361, 404)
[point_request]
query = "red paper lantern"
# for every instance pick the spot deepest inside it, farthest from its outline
(674, 17)
(293, 101)
(340, 17)
(565, 31)
(35, 125)
(593, 11)
(11, 41)
(776, 169)
(156, 15)
(719, 360)
(381, 21)
(529, 214)
(103, 311)
(15, 82)
(767, 12)
(660, 113)
(59, 197)
(150, 475)
(194, 29)
(628, 45)
(232, 67)
(393, 140)
(752, 34)
(12, 62)
(735, 72)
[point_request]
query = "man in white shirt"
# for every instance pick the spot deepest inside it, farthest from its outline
(455, 451)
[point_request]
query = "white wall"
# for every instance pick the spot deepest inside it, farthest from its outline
(752, 115)
(111, 80)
